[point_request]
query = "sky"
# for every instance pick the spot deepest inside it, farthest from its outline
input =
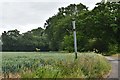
(25, 15)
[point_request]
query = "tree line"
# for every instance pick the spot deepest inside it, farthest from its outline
(97, 29)
(29, 41)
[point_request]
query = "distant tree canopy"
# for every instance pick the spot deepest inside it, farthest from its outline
(96, 29)
(29, 41)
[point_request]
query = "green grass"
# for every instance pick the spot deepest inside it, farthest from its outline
(54, 65)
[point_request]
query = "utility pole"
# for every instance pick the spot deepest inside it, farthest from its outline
(74, 33)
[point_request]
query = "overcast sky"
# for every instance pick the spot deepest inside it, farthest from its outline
(25, 15)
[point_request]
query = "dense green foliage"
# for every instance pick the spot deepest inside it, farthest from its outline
(97, 29)
(54, 65)
(29, 41)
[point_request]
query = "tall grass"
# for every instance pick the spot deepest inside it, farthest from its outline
(88, 65)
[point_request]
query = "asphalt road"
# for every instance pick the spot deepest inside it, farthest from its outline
(115, 72)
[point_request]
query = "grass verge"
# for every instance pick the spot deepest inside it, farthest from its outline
(88, 65)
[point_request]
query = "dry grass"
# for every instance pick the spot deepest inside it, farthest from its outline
(116, 55)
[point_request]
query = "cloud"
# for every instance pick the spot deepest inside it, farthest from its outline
(29, 14)
(26, 13)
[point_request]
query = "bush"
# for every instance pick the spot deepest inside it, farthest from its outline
(98, 44)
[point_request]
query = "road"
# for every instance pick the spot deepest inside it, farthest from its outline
(115, 72)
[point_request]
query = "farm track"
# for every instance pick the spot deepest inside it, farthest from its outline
(115, 63)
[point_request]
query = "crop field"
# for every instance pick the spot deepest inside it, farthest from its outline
(53, 65)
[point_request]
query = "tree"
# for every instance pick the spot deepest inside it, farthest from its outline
(101, 23)
(59, 25)
(96, 29)
(10, 39)
(29, 41)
